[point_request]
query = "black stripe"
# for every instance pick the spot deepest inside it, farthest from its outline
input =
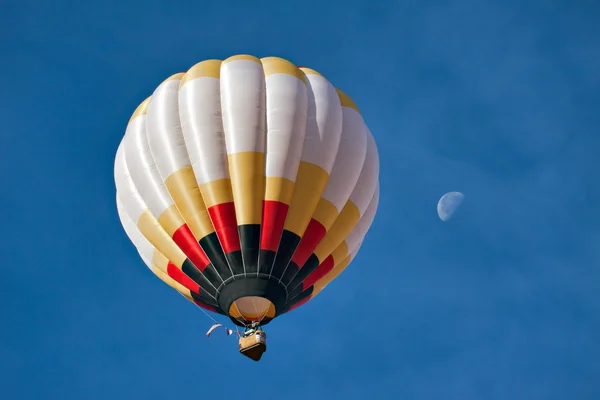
(265, 261)
(235, 262)
(212, 247)
(190, 270)
(250, 244)
(311, 264)
(207, 300)
(292, 294)
(285, 252)
(290, 272)
(210, 273)
(307, 293)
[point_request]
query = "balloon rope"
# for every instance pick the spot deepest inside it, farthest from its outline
(217, 322)
(240, 318)
(256, 310)
(209, 316)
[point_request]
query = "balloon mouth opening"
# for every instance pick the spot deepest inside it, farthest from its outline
(252, 309)
(255, 298)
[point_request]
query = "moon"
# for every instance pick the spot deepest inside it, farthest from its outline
(448, 204)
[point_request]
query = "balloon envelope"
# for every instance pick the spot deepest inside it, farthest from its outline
(448, 204)
(247, 185)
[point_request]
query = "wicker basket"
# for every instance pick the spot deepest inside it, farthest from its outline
(253, 346)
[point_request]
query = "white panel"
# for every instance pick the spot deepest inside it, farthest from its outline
(349, 161)
(133, 203)
(354, 252)
(362, 227)
(143, 246)
(163, 130)
(143, 168)
(243, 105)
(287, 110)
(369, 176)
(202, 125)
(324, 124)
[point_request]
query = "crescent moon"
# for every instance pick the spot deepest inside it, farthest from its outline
(448, 204)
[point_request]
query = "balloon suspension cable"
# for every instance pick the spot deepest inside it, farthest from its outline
(264, 314)
(217, 322)
(240, 319)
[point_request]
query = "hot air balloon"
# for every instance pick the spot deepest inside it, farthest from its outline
(247, 185)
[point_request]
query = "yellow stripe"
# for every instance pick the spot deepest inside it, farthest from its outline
(175, 77)
(346, 100)
(184, 190)
(242, 57)
(173, 284)
(159, 267)
(142, 109)
(340, 253)
(310, 183)
(160, 261)
(276, 65)
(151, 229)
(217, 192)
(341, 228)
(171, 219)
(279, 189)
(208, 68)
(326, 213)
(310, 71)
(248, 185)
(334, 273)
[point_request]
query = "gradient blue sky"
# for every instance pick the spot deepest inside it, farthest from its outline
(499, 100)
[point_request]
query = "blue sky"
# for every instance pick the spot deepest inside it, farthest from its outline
(498, 100)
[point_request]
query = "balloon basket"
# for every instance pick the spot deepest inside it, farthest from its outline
(254, 346)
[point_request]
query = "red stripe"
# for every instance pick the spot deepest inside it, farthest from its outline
(199, 304)
(184, 238)
(301, 302)
(324, 268)
(315, 231)
(223, 219)
(180, 277)
(274, 213)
